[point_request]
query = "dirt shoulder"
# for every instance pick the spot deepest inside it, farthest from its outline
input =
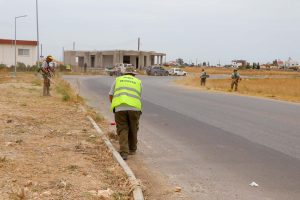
(48, 148)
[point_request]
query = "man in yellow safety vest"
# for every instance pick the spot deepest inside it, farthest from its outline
(125, 98)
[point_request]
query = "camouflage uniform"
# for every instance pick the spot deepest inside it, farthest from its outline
(46, 88)
(235, 78)
(203, 77)
(47, 73)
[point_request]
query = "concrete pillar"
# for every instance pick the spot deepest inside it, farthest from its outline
(87, 59)
(121, 57)
(152, 58)
(96, 60)
(141, 61)
(101, 61)
(114, 58)
(148, 61)
(161, 60)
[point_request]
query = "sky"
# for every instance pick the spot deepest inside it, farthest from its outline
(195, 30)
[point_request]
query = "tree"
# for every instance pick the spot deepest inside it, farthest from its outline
(179, 61)
(254, 66)
(248, 66)
(258, 66)
(204, 64)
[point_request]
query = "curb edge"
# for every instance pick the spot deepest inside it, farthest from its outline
(137, 190)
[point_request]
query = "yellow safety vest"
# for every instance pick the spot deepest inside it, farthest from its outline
(127, 91)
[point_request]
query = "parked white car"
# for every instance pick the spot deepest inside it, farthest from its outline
(177, 72)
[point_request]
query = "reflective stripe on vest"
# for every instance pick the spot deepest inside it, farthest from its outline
(128, 88)
(127, 91)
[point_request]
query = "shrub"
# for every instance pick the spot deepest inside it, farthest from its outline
(64, 88)
(3, 67)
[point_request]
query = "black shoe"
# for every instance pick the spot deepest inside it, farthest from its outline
(124, 157)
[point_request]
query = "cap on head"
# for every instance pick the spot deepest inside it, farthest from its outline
(49, 58)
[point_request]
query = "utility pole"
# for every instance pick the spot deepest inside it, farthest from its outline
(73, 46)
(139, 43)
(41, 50)
(37, 33)
(63, 54)
(16, 42)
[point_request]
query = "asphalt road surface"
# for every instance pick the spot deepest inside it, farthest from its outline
(213, 144)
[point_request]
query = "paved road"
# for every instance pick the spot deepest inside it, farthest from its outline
(214, 144)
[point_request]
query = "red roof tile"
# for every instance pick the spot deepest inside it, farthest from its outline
(19, 42)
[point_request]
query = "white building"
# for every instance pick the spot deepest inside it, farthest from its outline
(26, 52)
(102, 59)
(238, 63)
(291, 63)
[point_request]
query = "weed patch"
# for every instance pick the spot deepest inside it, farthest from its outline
(278, 88)
(65, 90)
(211, 70)
(36, 82)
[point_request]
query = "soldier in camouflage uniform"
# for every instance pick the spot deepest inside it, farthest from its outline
(47, 72)
(235, 79)
(203, 77)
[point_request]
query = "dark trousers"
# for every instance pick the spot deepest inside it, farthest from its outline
(203, 81)
(127, 128)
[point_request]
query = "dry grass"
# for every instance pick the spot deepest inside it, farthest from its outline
(280, 88)
(67, 93)
(4, 76)
(22, 77)
(98, 117)
(45, 147)
(242, 72)
(61, 87)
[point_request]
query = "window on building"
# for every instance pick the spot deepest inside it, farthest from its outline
(23, 52)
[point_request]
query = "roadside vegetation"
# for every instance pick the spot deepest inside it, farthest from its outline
(262, 72)
(48, 150)
(276, 88)
(67, 93)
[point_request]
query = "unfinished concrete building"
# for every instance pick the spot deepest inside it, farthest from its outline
(103, 59)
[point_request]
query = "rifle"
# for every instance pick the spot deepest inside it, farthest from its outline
(48, 72)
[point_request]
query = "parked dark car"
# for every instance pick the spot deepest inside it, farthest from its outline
(157, 71)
